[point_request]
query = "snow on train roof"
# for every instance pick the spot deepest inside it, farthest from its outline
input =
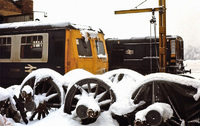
(53, 24)
(147, 38)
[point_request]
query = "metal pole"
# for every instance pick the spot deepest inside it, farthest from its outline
(162, 37)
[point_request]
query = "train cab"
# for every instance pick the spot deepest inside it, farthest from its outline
(61, 46)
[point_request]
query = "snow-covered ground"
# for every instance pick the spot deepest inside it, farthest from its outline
(194, 66)
(122, 88)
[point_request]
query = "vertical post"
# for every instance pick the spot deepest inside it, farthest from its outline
(162, 37)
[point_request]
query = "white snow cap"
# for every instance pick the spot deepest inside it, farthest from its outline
(34, 24)
(173, 78)
(88, 33)
(4, 94)
(16, 25)
(42, 73)
(164, 109)
(28, 89)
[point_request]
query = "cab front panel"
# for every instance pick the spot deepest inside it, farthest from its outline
(83, 53)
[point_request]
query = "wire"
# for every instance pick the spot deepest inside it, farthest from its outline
(150, 50)
(157, 61)
(153, 21)
(140, 4)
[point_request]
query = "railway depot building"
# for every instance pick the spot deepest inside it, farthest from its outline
(16, 11)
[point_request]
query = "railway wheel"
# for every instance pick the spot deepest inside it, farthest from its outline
(37, 99)
(120, 75)
(87, 98)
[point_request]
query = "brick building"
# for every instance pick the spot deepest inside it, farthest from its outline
(16, 10)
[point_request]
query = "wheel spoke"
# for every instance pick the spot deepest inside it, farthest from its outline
(43, 88)
(96, 91)
(43, 115)
(105, 102)
(54, 105)
(103, 96)
(83, 92)
(46, 111)
(39, 116)
(34, 113)
(49, 91)
(52, 96)
(89, 88)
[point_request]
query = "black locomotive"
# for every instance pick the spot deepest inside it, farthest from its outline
(142, 54)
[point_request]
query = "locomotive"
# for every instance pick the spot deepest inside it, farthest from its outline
(142, 54)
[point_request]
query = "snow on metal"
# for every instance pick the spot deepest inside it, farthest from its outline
(42, 73)
(164, 109)
(4, 94)
(173, 78)
(17, 25)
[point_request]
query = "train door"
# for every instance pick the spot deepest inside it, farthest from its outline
(115, 54)
(57, 51)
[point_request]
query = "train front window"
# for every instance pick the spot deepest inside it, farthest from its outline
(100, 49)
(173, 47)
(5, 48)
(84, 48)
(31, 47)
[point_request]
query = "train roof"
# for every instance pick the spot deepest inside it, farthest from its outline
(31, 26)
(144, 39)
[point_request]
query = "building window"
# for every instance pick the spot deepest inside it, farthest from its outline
(84, 48)
(5, 48)
(31, 47)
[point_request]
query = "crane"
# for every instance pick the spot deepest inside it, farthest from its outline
(162, 29)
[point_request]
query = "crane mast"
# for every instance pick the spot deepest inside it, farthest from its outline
(162, 29)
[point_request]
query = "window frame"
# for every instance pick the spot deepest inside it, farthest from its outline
(90, 51)
(16, 48)
(6, 44)
(35, 46)
(104, 56)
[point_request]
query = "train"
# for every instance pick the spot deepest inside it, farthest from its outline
(61, 46)
(142, 54)
(64, 46)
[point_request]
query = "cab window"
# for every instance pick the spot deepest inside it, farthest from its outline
(5, 48)
(84, 48)
(31, 46)
(100, 49)
(173, 47)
